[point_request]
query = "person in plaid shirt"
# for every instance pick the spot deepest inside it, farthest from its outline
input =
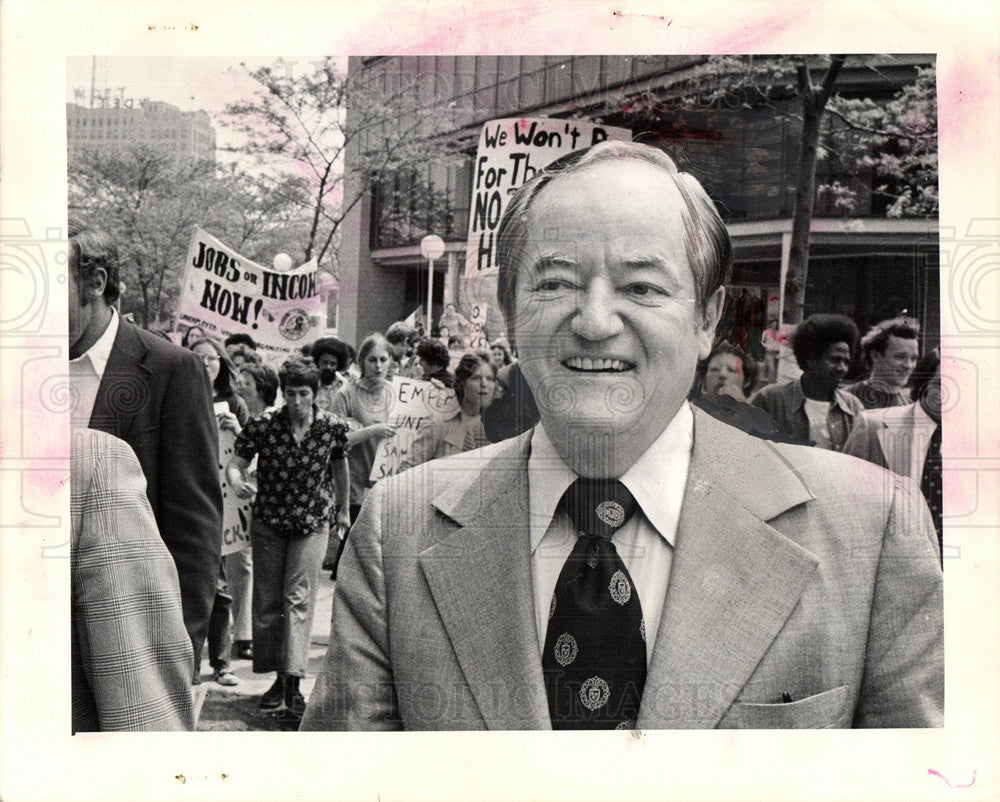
(301, 473)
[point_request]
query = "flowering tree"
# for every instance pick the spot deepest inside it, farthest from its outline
(895, 142)
(892, 142)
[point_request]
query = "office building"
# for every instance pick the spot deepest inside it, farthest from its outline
(187, 136)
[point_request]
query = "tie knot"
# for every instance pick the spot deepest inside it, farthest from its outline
(598, 507)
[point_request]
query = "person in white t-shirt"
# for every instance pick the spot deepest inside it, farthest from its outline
(814, 408)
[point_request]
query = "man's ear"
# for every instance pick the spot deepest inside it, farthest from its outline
(98, 282)
(713, 313)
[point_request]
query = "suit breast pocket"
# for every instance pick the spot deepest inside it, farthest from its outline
(827, 710)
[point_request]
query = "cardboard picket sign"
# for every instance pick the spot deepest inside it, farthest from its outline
(235, 510)
(510, 152)
(224, 293)
(415, 403)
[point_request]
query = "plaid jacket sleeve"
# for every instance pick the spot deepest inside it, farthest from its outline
(131, 654)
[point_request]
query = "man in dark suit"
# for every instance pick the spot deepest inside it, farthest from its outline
(631, 562)
(156, 397)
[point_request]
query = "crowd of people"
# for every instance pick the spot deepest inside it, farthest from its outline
(306, 438)
(307, 434)
(335, 404)
(822, 408)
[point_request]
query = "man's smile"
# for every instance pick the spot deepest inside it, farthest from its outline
(586, 364)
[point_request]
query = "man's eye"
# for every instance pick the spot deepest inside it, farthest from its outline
(642, 290)
(552, 285)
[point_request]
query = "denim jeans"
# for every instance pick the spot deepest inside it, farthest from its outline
(285, 578)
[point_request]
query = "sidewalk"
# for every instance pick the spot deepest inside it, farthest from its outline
(219, 708)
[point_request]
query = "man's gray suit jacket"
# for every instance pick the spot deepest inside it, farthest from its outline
(797, 573)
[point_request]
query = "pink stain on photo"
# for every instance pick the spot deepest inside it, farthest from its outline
(936, 773)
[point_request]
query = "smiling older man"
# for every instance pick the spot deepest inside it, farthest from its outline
(631, 561)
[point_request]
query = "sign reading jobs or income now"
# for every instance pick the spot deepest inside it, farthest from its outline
(225, 293)
(510, 152)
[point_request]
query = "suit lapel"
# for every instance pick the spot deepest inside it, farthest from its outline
(125, 377)
(899, 435)
(734, 580)
(480, 578)
(892, 449)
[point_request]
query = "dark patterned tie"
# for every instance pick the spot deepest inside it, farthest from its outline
(930, 480)
(594, 660)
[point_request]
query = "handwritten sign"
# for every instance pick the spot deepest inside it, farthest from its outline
(235, 510)
(510, 152)
(225, 293)
(415, 403)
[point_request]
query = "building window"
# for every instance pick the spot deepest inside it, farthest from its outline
(421, 201)
(444, 79)
(486, 71)
(532, 91)
(617, 69)
(508, 97)
(486, 103)
(558, 81)
(465, 74)
(586, 75)
(508, 68)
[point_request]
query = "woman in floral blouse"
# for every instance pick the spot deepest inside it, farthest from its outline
(301, 473)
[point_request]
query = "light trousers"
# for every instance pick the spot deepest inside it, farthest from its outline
(286, 575)
(239, 572)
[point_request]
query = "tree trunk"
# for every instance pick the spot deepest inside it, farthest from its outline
(814, 102)
(145, 304)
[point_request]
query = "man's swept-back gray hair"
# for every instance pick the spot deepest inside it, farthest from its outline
(706, 240)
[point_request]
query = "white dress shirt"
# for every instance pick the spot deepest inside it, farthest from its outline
(86, 372)
(645, 543)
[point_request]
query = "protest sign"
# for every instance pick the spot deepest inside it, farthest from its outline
(224, 293)
(415, 403)
(235, 510)
(510, 152)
